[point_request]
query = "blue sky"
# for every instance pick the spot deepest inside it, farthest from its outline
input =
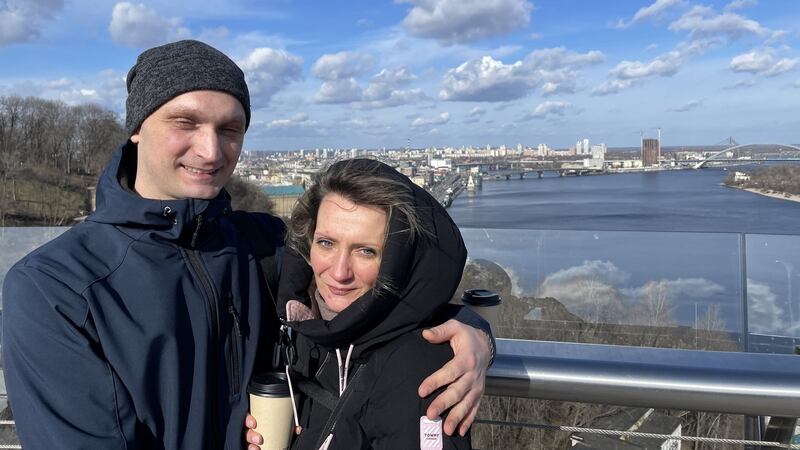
(379, 73)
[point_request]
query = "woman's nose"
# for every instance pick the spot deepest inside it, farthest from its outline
(341, 270)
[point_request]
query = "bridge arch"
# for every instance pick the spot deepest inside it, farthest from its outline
(703, 162)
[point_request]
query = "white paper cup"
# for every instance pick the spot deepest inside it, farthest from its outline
(271, 405)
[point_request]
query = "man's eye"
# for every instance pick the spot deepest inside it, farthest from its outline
(183, 123)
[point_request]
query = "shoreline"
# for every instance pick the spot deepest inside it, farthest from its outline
(779, 196)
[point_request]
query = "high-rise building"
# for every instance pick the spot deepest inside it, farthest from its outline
(599, 151)
(579, 147)
(586, 149)
(543, 150)
(651, 149)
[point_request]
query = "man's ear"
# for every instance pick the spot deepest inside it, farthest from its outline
(135, 136)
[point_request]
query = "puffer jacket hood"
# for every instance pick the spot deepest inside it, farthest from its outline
(118, 204)
(425, 272)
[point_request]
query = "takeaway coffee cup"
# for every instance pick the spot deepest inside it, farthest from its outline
(484, 302)
(271, 405)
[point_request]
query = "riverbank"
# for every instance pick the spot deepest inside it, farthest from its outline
(772, 194)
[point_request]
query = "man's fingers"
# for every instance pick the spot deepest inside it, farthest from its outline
(441, 333)
(442, 377)
(470, 419)
(250, 422)
(461, 412)
(452, 395)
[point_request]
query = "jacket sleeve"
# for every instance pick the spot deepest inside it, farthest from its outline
(468, 317)
(60, 387)
(391, 417)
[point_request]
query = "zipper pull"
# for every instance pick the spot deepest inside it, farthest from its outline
(232, 311)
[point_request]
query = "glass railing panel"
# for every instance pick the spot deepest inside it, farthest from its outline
(773, 300)
(671, 289)
(16, 242)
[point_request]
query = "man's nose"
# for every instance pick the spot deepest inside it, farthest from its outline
(207, 144)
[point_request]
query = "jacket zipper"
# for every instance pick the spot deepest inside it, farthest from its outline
(235, 340)
(194, 260)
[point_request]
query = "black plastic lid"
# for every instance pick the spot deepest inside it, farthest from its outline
(269, 384)
(480, 297)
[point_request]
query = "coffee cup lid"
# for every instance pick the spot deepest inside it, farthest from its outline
(269, 384)
(480, 297)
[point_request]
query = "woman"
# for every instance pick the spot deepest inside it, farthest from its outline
(385, 258)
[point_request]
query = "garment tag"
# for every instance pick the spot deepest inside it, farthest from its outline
(430, 434)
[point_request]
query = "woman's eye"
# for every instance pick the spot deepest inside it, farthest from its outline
(324, 243)
(368, 252)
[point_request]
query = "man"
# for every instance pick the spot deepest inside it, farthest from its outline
(140, 327)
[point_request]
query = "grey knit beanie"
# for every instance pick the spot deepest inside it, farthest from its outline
(162, 73)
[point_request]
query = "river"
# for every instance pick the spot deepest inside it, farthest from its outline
(675, 200)
(680, 232)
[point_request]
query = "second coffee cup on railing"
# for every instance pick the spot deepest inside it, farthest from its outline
(484, 302)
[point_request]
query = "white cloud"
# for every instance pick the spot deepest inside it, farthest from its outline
(777, 36)
(631, 73)
(23, 20)
(703, 22)
(338, 91)
(297, 126)
(559, 58)
(297, 119)
(383, 90)
(688, 106)
(457, 21)
(764, 314)
(393, 98)
(136, 25)
(740, 4)
(588, 290)
(741, 84)
(763, 62)
(421, 122)
(267, 71)
(342, 65)
(489, 80)
(679, 289)
(653, 11)
(476, 112)
(550, 109)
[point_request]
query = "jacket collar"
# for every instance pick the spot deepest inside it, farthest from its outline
(118, 204)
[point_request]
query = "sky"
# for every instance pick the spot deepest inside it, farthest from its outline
(421, 73)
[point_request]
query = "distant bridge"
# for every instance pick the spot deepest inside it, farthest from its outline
(702, 163)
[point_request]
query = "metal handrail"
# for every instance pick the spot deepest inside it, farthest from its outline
(726, 382)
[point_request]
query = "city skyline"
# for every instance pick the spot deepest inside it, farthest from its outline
(442, 72)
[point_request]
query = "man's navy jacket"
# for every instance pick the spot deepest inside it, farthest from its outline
(139, 327)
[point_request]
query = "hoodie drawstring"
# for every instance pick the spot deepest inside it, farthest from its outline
(291, 394)
(343, 370)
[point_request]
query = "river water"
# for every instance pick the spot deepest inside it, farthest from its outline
(629, 236)
(676, 200)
